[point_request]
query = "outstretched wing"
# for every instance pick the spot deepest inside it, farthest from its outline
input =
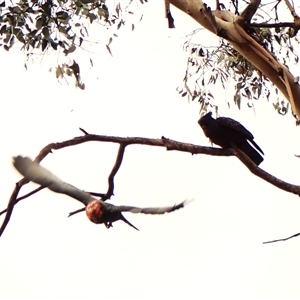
(36, 173)
(153, 210)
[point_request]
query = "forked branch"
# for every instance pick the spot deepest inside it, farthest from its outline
(126, 141)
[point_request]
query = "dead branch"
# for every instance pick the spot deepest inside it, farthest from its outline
(291, 9)
(282, 240)
(10, 207)
(163, 142)
(254, 169)
(24, 197)
(249, 12)
(111, 185)
(76, 212)
(126, 141)
(169, 15)
(273, 25)
(101, 195)
(114, 171)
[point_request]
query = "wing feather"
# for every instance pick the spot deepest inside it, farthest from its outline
(153, 210)
(36, 173)
(233, 124)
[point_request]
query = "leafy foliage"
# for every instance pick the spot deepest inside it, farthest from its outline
(58, 25)
(210, 66)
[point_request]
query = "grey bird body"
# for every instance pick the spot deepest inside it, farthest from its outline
(98, 211)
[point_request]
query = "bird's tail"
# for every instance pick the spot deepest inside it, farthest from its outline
(127, 222)
(251, 153)
(256, 146)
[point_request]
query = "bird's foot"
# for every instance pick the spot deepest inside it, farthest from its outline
(108, 225)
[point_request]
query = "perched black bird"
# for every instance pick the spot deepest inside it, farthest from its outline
(97, 211)
(225, 131)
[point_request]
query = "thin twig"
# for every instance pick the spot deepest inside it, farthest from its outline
(10, 207)
(76, 212)
(24, 197)
(282, 240)
(101, 195)
(111, 185)
(291, 9)
(85, 132)
(114, 171)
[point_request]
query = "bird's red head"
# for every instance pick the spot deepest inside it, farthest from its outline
(94, 211)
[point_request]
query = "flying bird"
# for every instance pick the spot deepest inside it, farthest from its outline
(226, 131)
(97, 211)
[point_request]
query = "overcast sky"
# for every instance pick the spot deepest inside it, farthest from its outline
(212, 249)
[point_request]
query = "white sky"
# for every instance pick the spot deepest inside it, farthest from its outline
(212, 249)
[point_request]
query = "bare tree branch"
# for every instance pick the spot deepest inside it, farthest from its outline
(162, 142)
(24, 197)
(101, 195)
(10, 206)
(169, 15)
(248, 12)
(273, 25)
(111, 176)
(283, 185)
(291, 9)
(282, 240)
(114, 171)
(76, 212)
(85, 132)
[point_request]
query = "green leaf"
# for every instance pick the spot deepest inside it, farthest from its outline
(46, 33)
(277, 38)
(3, 29)
(92, 17)
(53, 44)
(62, 15)
(103, 12)
(11, 20)
(39, 23)
(15, 9)
(31, 42)
(12, 41)
(70, 50)
(87, 1)
(68, 72)
(19, 35)
(59, 72)
(6, 40)
(44, 44)
(107, 47)
(32, 33)
(21, 21)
